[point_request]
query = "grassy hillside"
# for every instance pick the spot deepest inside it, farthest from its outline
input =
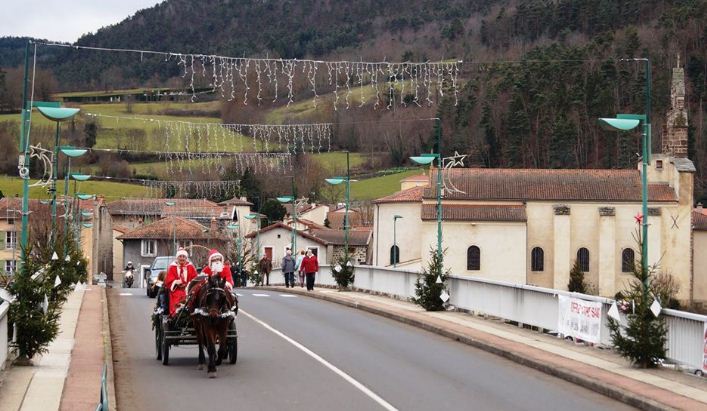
(12, 186)
(376, 187)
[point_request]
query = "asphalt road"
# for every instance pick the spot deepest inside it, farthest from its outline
(297, 353)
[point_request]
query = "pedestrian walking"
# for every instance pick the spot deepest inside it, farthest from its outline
(298, 268)
(310, 266)
(288, 269)
(244, 275)
(264, 267)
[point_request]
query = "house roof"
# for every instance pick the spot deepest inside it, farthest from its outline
(120, 229)
(11, 207)
(302, 209)
(699, 221)
(158, 206)
(411, 195)
(236, 201)
(184, 229)
(548, 185)
(309, 223)
(475, 213)
(336, 237)
(280, 224)
(336, 219)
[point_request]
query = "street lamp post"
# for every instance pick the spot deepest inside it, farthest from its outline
(57, 114)
(396, 253)
(287, 199)
(429, 159)
(626, 122)
(347, 180)
(174, 228)
(75, 222)
(69, 152)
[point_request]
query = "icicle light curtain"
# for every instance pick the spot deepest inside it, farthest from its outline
(246, 79)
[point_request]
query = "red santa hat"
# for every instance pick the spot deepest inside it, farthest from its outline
(183, 252)
(213, 254)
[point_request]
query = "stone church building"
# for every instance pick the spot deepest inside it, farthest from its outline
(529, 226)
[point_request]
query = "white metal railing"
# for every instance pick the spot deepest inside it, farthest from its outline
(4, 346)
(526, 304)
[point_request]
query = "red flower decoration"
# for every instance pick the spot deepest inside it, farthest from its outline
(639, 218)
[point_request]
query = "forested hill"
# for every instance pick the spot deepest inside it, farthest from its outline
(550, 67)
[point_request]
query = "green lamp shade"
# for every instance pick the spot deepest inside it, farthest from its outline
(170, 203)
(232, 226)
(335, 180)
(87, 214)
(58, 113)
(80, 177)
(85, 196)
(73, 152)
(87, 225)
(284, 199)
(620, 124)
(422, 159)
(251, 216)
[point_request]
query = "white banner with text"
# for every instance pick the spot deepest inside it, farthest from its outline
(579, 319)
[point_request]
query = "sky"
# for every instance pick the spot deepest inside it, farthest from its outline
(64, 20)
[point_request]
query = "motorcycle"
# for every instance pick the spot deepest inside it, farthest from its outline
(128, 279)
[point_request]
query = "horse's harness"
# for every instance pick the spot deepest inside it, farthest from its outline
(210, 290)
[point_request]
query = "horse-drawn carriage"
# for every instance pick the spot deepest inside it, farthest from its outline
(208, 320)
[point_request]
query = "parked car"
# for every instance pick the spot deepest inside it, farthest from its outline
(158, 265)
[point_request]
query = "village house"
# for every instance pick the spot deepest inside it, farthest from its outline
(141, 245)
(315, 213)
(121, 217)
(11, 228)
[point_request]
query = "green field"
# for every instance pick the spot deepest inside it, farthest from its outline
(377, 187)
(12, 186)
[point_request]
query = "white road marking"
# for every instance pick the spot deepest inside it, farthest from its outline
(239, 294)
(260, 295)
(130, 294)
(383, 403)
(288, 295)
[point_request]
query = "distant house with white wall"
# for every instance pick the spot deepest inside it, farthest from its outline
(276, 238)
(315, 213)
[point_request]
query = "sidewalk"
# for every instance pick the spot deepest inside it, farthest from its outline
(600, 370)
(68, 376)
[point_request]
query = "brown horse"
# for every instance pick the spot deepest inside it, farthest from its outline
(212, 317)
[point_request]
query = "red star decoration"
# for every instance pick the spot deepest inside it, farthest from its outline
(639, 218)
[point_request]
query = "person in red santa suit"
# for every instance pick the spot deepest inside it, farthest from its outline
(179, 275)
(214, 266)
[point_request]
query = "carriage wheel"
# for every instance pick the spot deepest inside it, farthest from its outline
(165, 350)
(233, 351)
(233, 344)
(158, 341)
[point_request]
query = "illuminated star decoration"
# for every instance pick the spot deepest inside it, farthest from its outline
(447, 164)
(46, 157)
(639, 218)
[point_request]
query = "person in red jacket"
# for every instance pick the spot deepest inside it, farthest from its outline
(214, 266)
(179, 274)
(310, 266)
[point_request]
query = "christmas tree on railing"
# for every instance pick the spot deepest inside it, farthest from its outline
(642, 340)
